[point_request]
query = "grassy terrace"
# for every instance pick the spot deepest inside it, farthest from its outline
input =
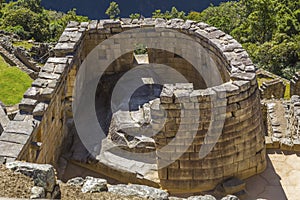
(24, 44)
(13, 83)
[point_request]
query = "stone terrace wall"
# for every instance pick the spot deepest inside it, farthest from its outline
(272, 89)
(37, 132)
(284, 128)
(295, 84)
(3, 119)
(38, 129)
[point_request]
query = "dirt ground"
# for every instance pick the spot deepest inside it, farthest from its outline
(15, 185)
(71, 193)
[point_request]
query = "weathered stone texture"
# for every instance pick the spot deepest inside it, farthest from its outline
(3, 120)
(295, 85)
(272, 89)
(239, 144)
(231, 110)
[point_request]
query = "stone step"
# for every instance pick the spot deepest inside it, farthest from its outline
(241, 194)
(233, 185)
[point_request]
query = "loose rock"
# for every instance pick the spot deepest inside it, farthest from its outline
(94, 185)
(43, 175)
(140, 191)
(37, 192)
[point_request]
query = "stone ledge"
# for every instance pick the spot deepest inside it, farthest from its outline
(10, 149)
(20, 127)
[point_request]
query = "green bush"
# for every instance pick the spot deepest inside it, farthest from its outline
(29, 19)
(140, 49)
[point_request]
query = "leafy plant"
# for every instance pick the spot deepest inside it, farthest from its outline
(140, 49)
(113, 10)
(135, 16)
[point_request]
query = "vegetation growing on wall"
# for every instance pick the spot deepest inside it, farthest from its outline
(113, 10)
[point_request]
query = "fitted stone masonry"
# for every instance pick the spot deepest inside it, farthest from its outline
(38, 133)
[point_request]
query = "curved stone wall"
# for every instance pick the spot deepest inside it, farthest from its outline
(46, 111)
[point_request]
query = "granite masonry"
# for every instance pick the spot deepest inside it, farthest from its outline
(39, 132)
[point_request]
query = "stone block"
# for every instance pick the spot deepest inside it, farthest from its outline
(58, 60)
(180, 174)
(243, 85)
(46, 94)
(40, 109)
(45, 75)
(27, 105)
(42, 175)
(245, 77)
(247, 173)
(237, 98)
(190, 164)
(32, 93)
(10, 149)
(233, 185)
(208, 174)
(20, 127)
(202, 95)
(230, 170)
(14, 138)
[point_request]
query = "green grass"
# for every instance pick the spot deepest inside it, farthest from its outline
(287, 94)
(23, 43)
(261, 80)
(13, 83)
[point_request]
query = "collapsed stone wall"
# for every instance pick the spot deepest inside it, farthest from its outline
(36, 134)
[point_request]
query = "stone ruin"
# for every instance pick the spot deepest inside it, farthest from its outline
(283, 124)
(295, 84)
(44, 130)
(274, 87)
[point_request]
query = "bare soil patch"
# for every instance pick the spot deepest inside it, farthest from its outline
(16, 185)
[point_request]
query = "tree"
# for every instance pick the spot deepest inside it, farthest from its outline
(135, 16)
(33, 5)
(174, 13)
(193, 15)
(28, 19)
(113, 10)
(1, 3)
(157, 14)
(267, 29)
